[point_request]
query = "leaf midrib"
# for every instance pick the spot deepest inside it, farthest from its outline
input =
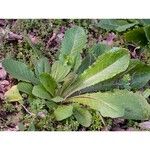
(102, 101)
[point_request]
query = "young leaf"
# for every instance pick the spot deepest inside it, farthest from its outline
(40, 91)
(107, 66)
(59, 71)
(48, 82)
(68, 80)
(42, 66)
(83, 116)
(120, 103)
(19, 71)
(25, 87)
(115, 25)
(73, 42)
(63, 112)
(13, 95)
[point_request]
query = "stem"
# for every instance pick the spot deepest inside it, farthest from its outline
(102, 120)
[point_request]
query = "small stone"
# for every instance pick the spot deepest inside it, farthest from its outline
(41, 114)
(145, 125)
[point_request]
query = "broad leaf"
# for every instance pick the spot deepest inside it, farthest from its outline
(120, 103)
(40, 91)
(63, 112)
(107, 66)
(25, 87)
(19, 71)
(13, 95)
(42, 66)
(48, 82)
(83, 116)
(73, 42)
(115, 25)
(59, 71)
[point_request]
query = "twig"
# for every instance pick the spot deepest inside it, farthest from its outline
(27, 110)
(50, 40)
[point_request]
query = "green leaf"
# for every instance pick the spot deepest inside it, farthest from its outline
(120, 103)
(147, 32)
(73, 42)
(83, 116)
(63, 112)
(42, 66)
(107, 66)
(116, 25)
(25, 87)
(59, 71)
(136, 36)
(19, 71)
(48, 82)
(13, 95)
(40, 91)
